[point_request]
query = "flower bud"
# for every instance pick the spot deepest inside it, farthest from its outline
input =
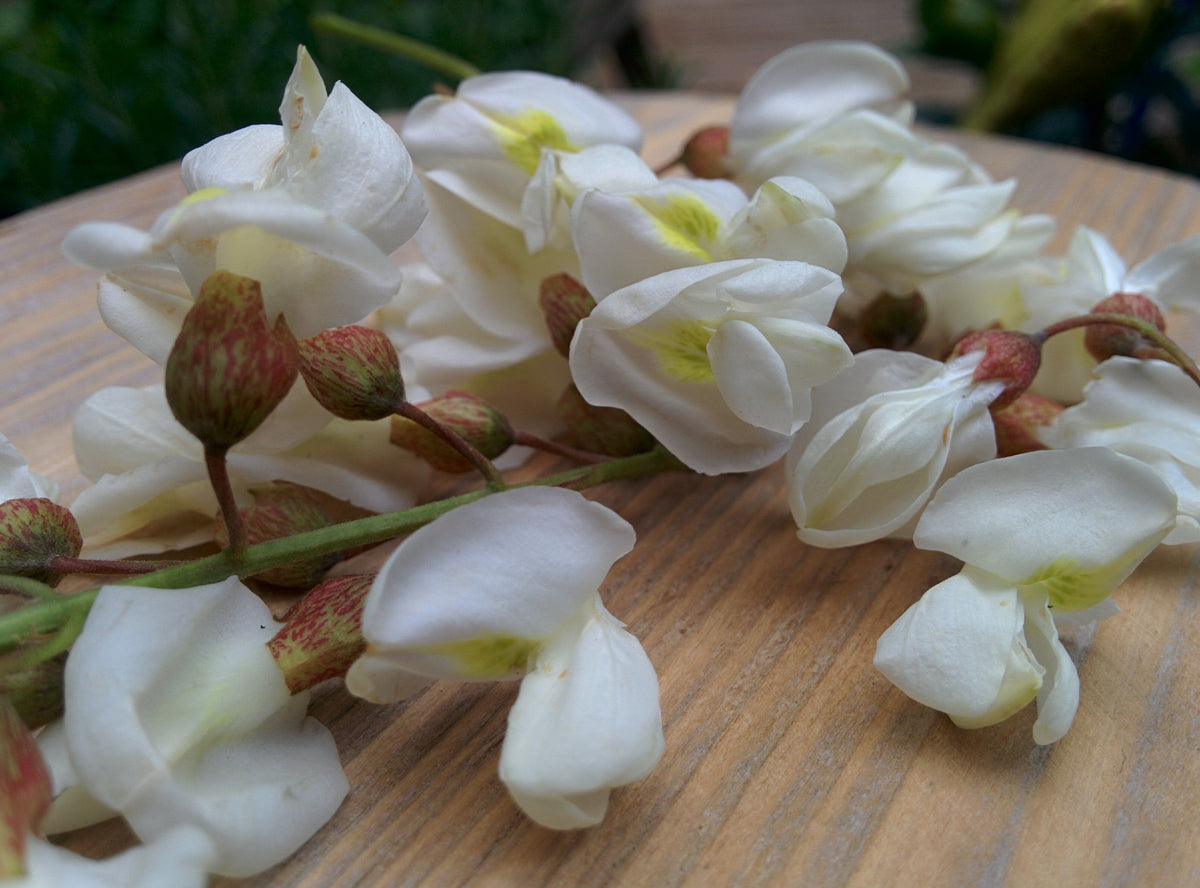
(34, 532)
(607, 430)
(1104, 341)
(36, 692)
(25, 790)
(480, 424)
(1016, 425)
(1009, 357)
(322, 633)
(706, 151)
(564, 302)
(354, 372)
(281, 511)
(893, 322)
(229, 368)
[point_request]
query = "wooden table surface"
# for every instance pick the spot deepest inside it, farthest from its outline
(789, 760)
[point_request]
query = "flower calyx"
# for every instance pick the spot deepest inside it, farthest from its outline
(1009, 357)
(230, 366)
(479, 424)
(322, 633)
(1017, 424)
(25, 790)
(353, 372)
(34, 533)
(606, 430)
(564, 302)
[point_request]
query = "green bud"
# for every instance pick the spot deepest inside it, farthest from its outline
(279, 511)
(322, 634)
(229, 367)
(34, 532)
(480, 424)
(564, 302)
(706, 153)
(354, 372)
(607, 430)
(1103, 341)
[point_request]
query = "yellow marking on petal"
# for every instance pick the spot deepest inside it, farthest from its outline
(681, 349)
(488, 656)
(202, 195)
(523, 136)
(1073, 589)
(685, 223)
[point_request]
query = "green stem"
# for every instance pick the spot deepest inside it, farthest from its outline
(27, 587)
(218, 475)
(405, 47)
(1147, 330)
(574, 454)
(47, 616)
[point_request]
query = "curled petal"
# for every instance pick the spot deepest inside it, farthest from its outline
(586, 719)
(1058, 697)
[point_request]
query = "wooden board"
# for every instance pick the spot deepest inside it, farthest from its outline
(789, 760)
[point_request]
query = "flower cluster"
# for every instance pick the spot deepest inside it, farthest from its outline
(829, 287)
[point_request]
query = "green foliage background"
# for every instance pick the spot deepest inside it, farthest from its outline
(90, 92)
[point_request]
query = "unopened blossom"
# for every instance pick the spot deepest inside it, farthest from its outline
(178, 716)
(506, 587)
(1042, 534)
(151, 490)
(1089, 272)
(716, 361)
(1148, 410)
(624, 237)
(882, 436)
(310, 209)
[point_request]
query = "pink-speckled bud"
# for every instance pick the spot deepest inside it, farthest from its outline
(1009, 357)
(564, 303)
(607, 430)
(706, 152)
(1017, 424)
(480, 424)
(1104, 341)
(354, 372)
(279, 511)
(33, 532)
(230, 366)
(322, 634)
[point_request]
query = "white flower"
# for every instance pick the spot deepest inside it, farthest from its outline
(1149, 410)
(152, 490)
(310, 207)
(507, 586)
(502, 161)
(178, 859)
(176, 714)
(805, 111)
(17, 481)
(627, 236)
(717, 360)
(1052, 531)
(883, 434)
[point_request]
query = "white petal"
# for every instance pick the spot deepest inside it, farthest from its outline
(1058, 697)
(145, 306)
(1085, 516)
(110, 245)
(16, 481)
(179, 859)
(586, 719)
(235, 161)
(473, 593)
(751, 377)
(958, 649)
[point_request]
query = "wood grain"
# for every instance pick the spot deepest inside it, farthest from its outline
(789, 760)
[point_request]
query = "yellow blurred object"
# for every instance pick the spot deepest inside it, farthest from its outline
(1055, 52)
